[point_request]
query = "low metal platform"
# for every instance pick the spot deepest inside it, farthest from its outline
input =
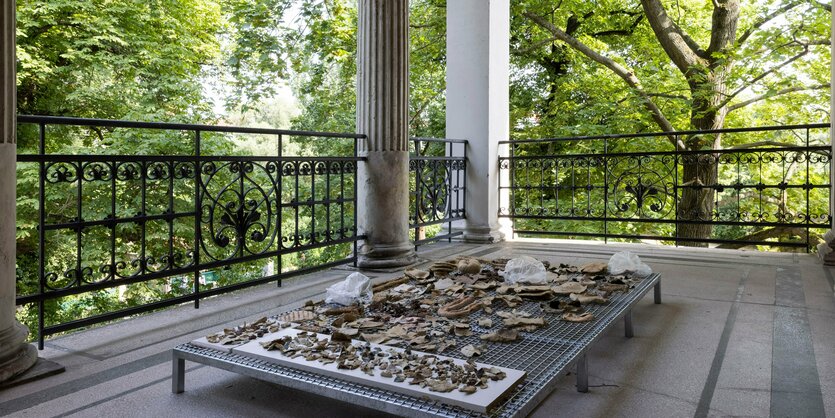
(544, 354)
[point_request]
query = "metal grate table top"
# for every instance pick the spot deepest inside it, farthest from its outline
(544, 354)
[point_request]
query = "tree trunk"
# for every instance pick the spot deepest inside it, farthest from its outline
(700, 172)
(697, 202)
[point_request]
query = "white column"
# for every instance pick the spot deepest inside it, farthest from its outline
(382, 114)
(478, 103)
(16, 356)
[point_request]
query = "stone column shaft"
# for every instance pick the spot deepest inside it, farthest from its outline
(16, 356)
(478, 103)
(832, 120)
(382, 115)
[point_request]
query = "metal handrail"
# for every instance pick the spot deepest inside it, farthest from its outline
(111, 123)
(603, 190)
(223, 229)
(664, 134)
(442, 179)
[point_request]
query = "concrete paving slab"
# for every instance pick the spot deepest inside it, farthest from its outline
(217, 393)
(795, 385)
(743, 387)
(819, 295)
(759, 287)
(612, 400)
(707, 282)
(823, 340)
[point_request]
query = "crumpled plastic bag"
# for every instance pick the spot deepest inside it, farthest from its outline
(625, 262)
(524, 269)
(355, 288)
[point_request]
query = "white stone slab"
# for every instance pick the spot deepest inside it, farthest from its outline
(481, 401)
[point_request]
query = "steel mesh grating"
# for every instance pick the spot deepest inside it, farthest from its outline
(544, 354)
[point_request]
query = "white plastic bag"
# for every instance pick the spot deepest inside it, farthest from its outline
(356, 287)
(524, 269)
(824, 250)
(625, 262)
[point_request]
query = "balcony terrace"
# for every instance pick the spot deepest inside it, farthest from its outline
(197, 222)
(738, 334)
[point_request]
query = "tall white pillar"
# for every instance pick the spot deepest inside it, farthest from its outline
(478, 103)
(16, 356)
(382, 114)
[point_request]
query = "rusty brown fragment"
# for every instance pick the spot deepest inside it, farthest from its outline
(389, 284)
(504, 335)
(463, 306)
(573, 317)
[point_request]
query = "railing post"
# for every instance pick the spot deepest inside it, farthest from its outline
(449, 164)
(356, 202)
(464, 182)
(606, 190)
(41, 231)
(198, 209)
(676, 156)
(808, 190)
(418, 166)
(279, 207)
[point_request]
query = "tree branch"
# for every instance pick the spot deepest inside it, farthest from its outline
(536, 45)
(826, 41)
(723, 25)
(765, 19)
(776, 232)
(763, 75)
(826, 6)
(775, 94)
(625, 74)
(668, 96)
(621, 32)
(682, 49)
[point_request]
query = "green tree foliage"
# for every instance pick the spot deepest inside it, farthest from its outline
(324, 65)
(778, 59)
(142, 61)
(139, 60)
(679, 65)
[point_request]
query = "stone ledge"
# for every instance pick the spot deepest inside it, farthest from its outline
(43, 368)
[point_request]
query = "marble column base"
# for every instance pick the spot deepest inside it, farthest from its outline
(386, 256)
(483, 235)
(16, 356)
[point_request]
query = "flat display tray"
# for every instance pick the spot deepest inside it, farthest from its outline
(480, 401)
(545, 354)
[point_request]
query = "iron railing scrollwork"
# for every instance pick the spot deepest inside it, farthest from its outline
(774, 184)
(110, 220)
(439, 170)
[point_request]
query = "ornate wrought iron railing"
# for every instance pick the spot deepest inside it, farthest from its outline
(439, 170)
(772, 188)
(190, 217)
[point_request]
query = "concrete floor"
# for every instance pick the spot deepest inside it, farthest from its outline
(739, 334)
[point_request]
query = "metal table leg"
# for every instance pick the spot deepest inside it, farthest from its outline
(582, 373)
(178, 374)
(657, 292)
(627, 324)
